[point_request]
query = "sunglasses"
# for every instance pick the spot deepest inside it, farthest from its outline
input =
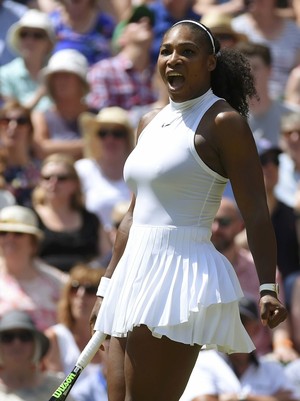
(224, 221)
(58, 177)
(116, 133)
(89, 289)
(8, 337)
(14, 233)
(33, 34)
(22, 120)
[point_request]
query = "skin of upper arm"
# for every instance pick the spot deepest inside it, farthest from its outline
(239, 158)
(40, 129)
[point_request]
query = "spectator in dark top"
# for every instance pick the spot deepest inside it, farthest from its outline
(283, 217)
(71, 233)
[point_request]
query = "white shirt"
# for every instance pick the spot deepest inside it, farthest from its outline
(101, 194)
(213, 375)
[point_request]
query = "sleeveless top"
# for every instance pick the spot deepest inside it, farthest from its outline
(170, 276)
(174, 187)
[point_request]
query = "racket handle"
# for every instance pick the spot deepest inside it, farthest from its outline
(90, 349)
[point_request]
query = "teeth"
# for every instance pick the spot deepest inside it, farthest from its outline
(174, 74)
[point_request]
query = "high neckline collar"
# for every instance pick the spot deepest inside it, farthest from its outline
(189, 103)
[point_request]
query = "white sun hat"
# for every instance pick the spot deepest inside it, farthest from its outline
(67, 60)
(31, 19)
(19, 219)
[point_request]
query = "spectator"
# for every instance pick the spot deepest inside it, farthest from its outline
(262, 24)
(32, 38)
(287, 189)
(126, 80)
(292, 89)
(10, 12)
(22, 349)
(230, 7)
(292, 371)
(166, 13)
(21, 169)
(80, 25)
(238, 376)
(109, 139)
(227, 227)
(57, 129)
(71, 233)
(221, 26)
(295, 311)
(72, 333)
(283, 218)
(265, 112)
(26, 282)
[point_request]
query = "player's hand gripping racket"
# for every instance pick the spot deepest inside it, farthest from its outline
(60, 394)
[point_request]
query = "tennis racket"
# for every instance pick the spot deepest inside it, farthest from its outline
(62, 391)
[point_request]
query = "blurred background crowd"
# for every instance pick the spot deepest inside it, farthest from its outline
(75, 78)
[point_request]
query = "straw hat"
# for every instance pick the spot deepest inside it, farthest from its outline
(18, 319)
(90, 124)
(19, 219)
(31, 19)
(67, 60)
(220, 23)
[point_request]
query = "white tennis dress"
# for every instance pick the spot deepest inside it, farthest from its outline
(170, 277)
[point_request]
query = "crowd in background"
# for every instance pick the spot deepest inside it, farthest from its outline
(75, 78)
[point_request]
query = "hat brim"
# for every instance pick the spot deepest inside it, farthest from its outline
(89, 125)
(41, 338)
(21, 228)
(239, 37)
(13, 36)
(46, 73)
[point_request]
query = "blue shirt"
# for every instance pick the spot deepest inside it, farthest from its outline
(163, 21)
(95, 45)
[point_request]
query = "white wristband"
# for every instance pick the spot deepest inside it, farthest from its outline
(103, 285)
(269, 287)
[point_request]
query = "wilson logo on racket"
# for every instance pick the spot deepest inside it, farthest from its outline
(65, 385)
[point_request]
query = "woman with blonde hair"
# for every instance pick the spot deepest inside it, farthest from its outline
(71, 233)
(20, 166)
(71, 334)
(108, 140)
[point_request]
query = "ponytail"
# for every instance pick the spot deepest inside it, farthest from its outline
(232, 80)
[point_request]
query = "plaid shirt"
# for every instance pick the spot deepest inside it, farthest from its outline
(114, 82)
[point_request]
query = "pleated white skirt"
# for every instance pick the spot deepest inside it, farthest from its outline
(174, 281)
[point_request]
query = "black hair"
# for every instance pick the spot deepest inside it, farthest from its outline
(232, 78)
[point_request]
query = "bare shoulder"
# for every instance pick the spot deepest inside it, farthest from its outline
(146, 119)
(229, 127)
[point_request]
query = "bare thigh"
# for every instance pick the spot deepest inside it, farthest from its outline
(115, 369)
(156, 369)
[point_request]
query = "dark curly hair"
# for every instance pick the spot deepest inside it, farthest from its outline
(232, 79)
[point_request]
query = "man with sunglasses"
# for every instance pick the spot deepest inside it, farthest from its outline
(227, 226)
(22, 349)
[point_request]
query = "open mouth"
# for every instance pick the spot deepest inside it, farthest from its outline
(175, 80)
